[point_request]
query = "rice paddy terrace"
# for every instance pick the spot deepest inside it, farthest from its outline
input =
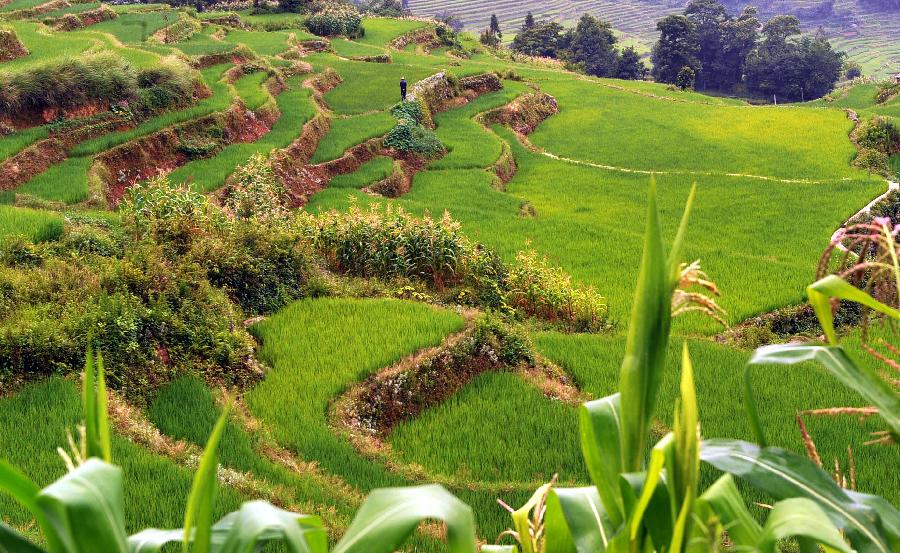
(867, 34)
(773, 184)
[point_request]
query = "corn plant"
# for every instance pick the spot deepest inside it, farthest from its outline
(658, 505)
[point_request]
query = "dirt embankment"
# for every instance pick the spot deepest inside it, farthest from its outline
(161, 152)
(424, 37)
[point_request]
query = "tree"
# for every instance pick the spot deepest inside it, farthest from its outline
(709, 18)
(739, 40)
(543, 39)
(529, 21)
(677, 47)
(685, 78)
(495, 27)
(630, 65)
(593, 47)
(852, 70)
(489, 39)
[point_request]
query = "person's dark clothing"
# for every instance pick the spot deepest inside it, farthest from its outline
(403, 90)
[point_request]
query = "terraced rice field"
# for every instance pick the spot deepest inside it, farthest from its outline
(774, 183)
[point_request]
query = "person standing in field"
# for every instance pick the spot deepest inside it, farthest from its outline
(402, 89)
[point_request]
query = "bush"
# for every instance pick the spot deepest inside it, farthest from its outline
(255, 193)
(879, 133)
(409, 110)
(872, 161)
(409, 137)
(336, 20)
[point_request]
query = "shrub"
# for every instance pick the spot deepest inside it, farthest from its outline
(872, 161)
(336, 20)
(879, 133)
(256, 194)
(409, 110)
(409, 137)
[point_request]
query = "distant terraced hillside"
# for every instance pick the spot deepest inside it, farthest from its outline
(869, 36)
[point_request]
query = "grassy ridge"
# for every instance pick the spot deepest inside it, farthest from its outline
(372, 171)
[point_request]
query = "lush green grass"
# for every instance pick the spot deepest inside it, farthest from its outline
(261, 42)
(34, 422)
(35, 225)
(136, 26)
(508, 420)
(590, 222)
(374, 170)
(43, 45)
(348, 132)
(468, 145)
(210, 173)
(367, 86)
(14, 143)
(316, 348)
(186, 410)
(251, 89)
(349, 48)
(201, 44)
(65, 182)
(621, 129)
(21, 5)
(380, 32)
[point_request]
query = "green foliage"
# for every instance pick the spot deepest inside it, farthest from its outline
(348, 132)
(256, 194)
(879, 133)
(336, 20)
(37, 226)
(409, 137)
(685, 78)
(409, 111)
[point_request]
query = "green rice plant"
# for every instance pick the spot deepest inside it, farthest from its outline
(65, 182)
(263, 43)
(296, 108)
(381, 31)
(368, 86)
(14, 143)
(372, 171)
(348, 132)
(310, 359)
(136, 27)
(350, 48)
(37, 226)
(250, 88)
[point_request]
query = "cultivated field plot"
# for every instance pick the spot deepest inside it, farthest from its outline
(299, 334)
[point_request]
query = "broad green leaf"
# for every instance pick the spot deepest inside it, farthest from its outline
(661, 453)
(678, 243)
(14, 542)
(601, 429)
(645, 347)
(834, 286)
(389, 516)
(576, 518)
(499, 549)
(25, 492)
(198, 515)
(258, 521)
(152, 540)
(87, 506)
(684, 472)
(784, 475)
(724, 500)
(861, 379)
(102, 413)
(799, 517)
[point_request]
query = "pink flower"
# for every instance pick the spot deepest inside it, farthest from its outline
(882, 221)
(837, 236)
(896, 230)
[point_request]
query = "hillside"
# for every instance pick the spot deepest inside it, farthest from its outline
(290, 250)
(867, 31)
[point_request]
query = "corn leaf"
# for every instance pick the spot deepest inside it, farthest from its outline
(152, 540)
(799, 517)
(87, 506)
(662, 452)
(855, 377)
(521, 519)
(389, 516)
(89, 404)
(725, 502)
(645, 347)
(684, 472)
(834, 286)
(575, 519)
(102, 422)
(499, 549)
(601, 431)
(198, 515)
(784, 475)
(14, 542)
(258, 521)
(25, 492)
